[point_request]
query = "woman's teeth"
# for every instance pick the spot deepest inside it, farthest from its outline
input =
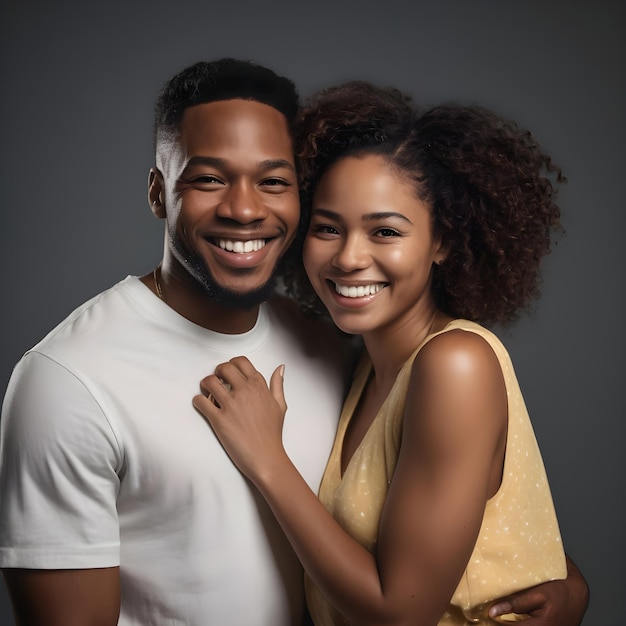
(358, 292)
(241, 247)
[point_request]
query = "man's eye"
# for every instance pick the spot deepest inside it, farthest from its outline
(274, 182)
(206, 179)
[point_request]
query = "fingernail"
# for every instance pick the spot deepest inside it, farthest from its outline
(500, 609)
(282, 371)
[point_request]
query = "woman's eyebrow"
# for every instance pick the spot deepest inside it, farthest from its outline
(382, 215)
(368, 217)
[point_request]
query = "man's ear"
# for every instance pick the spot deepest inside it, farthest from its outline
(156, 192)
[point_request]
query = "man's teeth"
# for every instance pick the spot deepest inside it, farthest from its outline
(241, 247)
(358, 292)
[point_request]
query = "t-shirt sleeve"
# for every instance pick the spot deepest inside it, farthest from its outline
(59, 466)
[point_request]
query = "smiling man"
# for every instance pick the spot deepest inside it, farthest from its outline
(118, 502)
(226, 184)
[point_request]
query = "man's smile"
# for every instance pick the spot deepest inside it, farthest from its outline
(241, 247)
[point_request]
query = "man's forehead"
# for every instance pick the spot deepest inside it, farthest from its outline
(233, 130)
(232, 109)
(236, 125)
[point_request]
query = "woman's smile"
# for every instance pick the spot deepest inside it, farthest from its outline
(370, 250)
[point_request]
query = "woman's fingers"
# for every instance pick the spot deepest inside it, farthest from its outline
(237, 375)
(239, 370)
(277, 387)
(214, 389)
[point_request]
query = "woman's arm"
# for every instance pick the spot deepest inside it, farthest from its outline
(449, 465)
(454, 432)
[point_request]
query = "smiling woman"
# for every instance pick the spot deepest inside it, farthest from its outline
(370, 248)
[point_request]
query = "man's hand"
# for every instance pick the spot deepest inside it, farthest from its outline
(556, 603)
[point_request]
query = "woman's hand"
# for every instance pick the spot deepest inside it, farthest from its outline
(246, 416)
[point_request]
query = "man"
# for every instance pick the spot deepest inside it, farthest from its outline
(118, 501)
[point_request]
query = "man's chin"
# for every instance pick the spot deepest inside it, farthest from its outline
(223, 295)
(230, 298)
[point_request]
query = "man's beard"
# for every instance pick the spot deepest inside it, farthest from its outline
(221, 295)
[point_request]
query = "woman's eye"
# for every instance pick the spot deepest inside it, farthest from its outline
(387, 232)
(324, 229)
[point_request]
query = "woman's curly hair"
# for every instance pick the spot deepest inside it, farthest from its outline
(490, 187)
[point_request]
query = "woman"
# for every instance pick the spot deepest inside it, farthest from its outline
(435, 500)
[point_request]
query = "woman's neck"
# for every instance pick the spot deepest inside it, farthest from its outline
(389, 349)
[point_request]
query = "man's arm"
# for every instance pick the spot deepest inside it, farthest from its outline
(89, 597)
(557, 603)
(59, 530)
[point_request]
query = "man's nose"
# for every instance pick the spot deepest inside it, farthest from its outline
(242, 203)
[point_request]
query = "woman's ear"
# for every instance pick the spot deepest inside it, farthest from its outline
(441, 253)
(155, 193)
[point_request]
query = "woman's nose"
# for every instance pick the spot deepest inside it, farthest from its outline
(352, 255)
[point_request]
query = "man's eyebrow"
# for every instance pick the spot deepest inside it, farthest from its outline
(268, 164)
(205, 160)
(274, 164)
(369, 217)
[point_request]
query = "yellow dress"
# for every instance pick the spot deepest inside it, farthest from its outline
(519, 544)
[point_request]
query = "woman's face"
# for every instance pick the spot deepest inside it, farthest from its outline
(370, 249)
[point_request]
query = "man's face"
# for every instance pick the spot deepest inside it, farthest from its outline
(227, 186)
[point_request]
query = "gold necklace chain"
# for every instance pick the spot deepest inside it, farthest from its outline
(157, 284)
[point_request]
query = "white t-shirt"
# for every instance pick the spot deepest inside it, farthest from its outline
(105, 462)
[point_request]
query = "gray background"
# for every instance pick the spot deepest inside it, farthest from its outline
(78, 80)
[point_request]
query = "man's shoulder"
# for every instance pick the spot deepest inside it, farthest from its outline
(92, 318)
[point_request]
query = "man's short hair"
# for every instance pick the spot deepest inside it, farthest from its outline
(222, 79)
